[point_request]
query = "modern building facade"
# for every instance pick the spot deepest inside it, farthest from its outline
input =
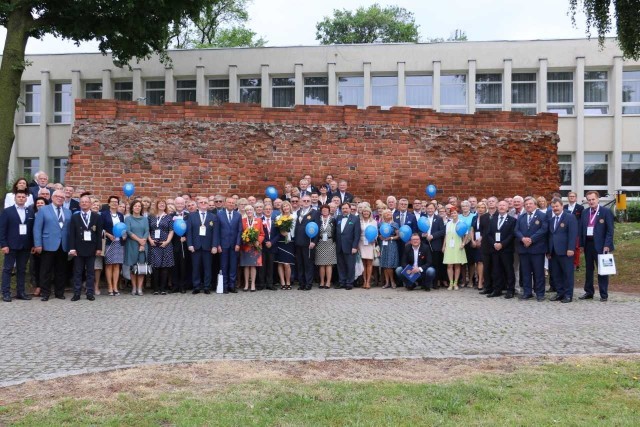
(595, 91)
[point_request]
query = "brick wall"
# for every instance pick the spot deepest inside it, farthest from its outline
(240, 148)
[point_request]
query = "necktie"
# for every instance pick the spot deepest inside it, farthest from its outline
(556, 223)
(84, 217)
(500, 222)
(529, 220)
(202, 216)
(344, 222)
(593, 211)
(402, 218)
(269, 224)
(59, 213)
(229, 215)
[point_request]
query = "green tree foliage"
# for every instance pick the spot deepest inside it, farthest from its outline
(599, 16)
(375, 24)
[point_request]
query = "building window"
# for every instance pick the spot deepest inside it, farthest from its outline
(596, 171)
(523, 93)
(251, 91)
(631, 92)
(283, 90)
(565, 164)
(123, 91)
(316, 90)
(453, 93)
(560, 93)
(93, 90)
(32, 103)
(384, 91)
(631, 170)
(419, 91)
(30, 167)
(351, 91)
(218, 91)
(186, 91)
(155, 92)
(62, 103)
(489, 92)
(596, 95)
(59, 169)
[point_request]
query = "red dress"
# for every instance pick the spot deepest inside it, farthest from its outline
(250, 256)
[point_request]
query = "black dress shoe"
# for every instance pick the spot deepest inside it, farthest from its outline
(585, 296)
(44, 299)
(207, 292)
(602, 299)
(91, 298)
(233, 291)
(509, 295)
(76, 297)
(308, 287)
(24, 297)
(566, 300)
(552, 289)
(195, 291)
(427, 289)
(556, 298)
(182, 291)
(60, 297)
(540, 299)
(348, 288)
(225, 292)
(485, 292)
(6, 298)
(526, 297)
(494, 295)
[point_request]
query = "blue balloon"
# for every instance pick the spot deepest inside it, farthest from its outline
(423, 224)
(431, 190)
(405, 233)
(371, 233)
(430, 273)
(311, 229)
(119, 229)
(271, 192)
(386, 230)
(462, 228)
(179, 227)
(128, 188)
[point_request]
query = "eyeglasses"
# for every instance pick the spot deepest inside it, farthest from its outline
(294, 201)
(218, 201)
(306, 201)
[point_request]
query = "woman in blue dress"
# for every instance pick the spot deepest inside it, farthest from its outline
(389, 256)
(114, 246)
(160, 247)
(138, 233)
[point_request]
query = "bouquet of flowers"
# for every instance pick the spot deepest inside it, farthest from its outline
(250, 237)
(284, 224)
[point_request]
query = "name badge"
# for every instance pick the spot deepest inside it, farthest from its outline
(325, 237)
(365, 242)
(61, 224)
(86, 236)
(477, 235)
(452, 243)
(497, 237)
(385, 243)
(22, 229)
(589, 231)
(156, 234)
(203, 230)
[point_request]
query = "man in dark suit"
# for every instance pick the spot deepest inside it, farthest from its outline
(181, 255)
(16, 241)
(345, 197)
(575, 208)
(347, 238)
(402, 216)
(85, 243)
(501, 238)
(486, 247)
(268, 248)
(596, 237)
(69, 202)
(418, 255)
(435, 239)
(563, 230)
(306, 187)
(43, 182)
(305, 246)
(201, 234)
(531, 244)
(228, 242)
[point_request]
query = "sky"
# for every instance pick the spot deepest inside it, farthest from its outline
(292, 22)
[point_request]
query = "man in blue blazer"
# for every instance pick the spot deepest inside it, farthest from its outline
(16, 241)
(347, 239)
(501, 238)
(402, 216)
(531, 238)
(435, 239)
(202, 232)
(50, 238)
(596, 237)
(227, 240)
(563, 231)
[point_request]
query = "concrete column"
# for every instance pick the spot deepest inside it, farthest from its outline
(169, 85)
(201, 86)
(299, 84)
(367, 83)
(542, 85)
(76, 92)
(506, 85)
(578, 86)
(471, 87)
(436, 85)
(234, 90)
(107, 86)
(138, 90)
(46, 116)
(402, 91)
(615, 89)
(266, 86)
(333, 85)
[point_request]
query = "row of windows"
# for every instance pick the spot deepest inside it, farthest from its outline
(596, 171)
(384, 91)
(31, 166)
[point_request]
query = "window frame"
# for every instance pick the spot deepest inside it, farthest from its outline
(250, 89)
(58, 169)
(338, 86)
(566, 188)
(589, 107)
(316, 86)
(32, 117)
(182, 91)
(455, 108)
(562, 105)
(275, 88)
(494, 106)
(375, 83)
(148, 91)
(633, 161)
(33, 168)
(118, 92)
(631, 104)
(602, 188)
(222, 89)
(92, 91)
(61, 116)
(428, 86)
(523, 106)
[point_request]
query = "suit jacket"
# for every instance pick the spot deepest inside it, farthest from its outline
(577, 210)
(537, 230)
(270, 234)
(410, 220)
(206, 242)
(74, 205)
(228, 234)
(76, 234)
(563, 238)
(349, 238)
(10, 229)
(46, 229)
(485, 228)
(437, 230)
(314, 189)
(602, 229)
(348, 197)
(507, 232)
(300, 235)
(425, 259)
(175, 240)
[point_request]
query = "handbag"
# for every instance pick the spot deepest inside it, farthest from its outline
(141, 268)
(606, 265)
(376, 256)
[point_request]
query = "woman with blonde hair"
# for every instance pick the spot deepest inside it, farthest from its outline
(389, 257)
(366, 249)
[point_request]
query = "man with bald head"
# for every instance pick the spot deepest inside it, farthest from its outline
(181, 278)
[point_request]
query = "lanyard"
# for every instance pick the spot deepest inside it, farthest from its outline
(592, 216)
(85, 220)
(158, 219)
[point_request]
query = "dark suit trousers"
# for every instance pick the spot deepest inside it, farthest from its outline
(80, 264)
(229, 266)
(503, 275)
(562, 268)
(591, 259)
(201, 263)
(441, 269)
(305, 264)
(487, 265)
(532, 264)
(19, 258)
(346, 268)
(53, 263)
(181, 267)
(265, 273)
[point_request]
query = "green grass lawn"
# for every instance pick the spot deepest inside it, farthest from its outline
(593, 392)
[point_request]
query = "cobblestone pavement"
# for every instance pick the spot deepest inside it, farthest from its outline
(43, 340)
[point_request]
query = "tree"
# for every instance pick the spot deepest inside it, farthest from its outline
(127, 29)
(219, 24)
(391, 24)
(599, 15)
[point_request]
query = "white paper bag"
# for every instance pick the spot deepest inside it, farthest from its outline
(220, 287)
(606, 265)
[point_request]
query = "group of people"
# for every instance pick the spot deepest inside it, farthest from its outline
(265, 243)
